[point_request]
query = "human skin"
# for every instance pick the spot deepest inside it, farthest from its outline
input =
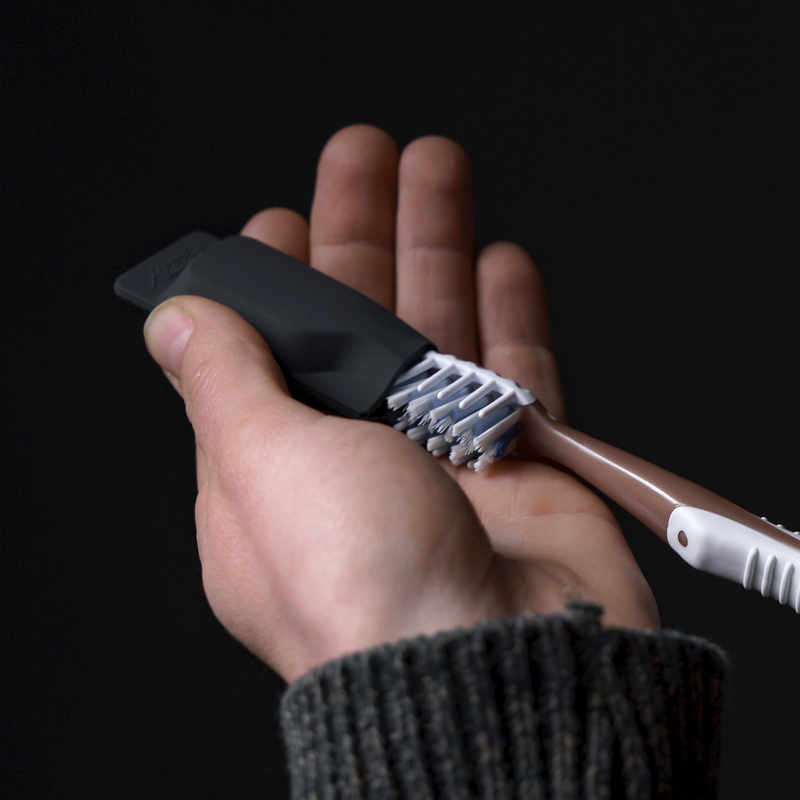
(321, 536)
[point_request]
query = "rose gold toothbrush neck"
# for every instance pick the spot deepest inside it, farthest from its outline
(614, 472)
(648, 492)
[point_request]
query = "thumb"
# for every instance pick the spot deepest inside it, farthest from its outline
(222, 368)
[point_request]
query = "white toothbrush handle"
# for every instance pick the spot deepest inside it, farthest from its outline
(713, 543)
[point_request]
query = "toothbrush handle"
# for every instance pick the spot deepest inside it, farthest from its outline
(707, 531)
(713, 543)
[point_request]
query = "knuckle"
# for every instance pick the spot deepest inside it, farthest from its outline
(198, 379)
(239, 457)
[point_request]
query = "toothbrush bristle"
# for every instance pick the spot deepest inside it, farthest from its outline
(458, 408)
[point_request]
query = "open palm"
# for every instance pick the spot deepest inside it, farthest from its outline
(321, 535)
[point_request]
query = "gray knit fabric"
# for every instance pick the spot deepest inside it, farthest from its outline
(530, 707)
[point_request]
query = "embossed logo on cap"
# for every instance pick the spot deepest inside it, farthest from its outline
(167, 270)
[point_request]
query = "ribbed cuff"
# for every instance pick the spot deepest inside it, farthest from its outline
(528, 707)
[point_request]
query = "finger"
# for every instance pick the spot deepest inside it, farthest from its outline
(435, 245)
(281, 228)
(515, 337)
(233, 388)
(353, 213)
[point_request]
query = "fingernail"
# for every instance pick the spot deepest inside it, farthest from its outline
(166, 332)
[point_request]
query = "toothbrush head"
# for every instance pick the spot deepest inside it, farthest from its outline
(339, 349)
(457, 408)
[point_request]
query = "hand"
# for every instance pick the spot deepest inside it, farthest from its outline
(321, 536)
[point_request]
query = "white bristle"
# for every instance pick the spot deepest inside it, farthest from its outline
(465, 424)
(434, 428)
(446, 370)
(460, 450)
(454, 387)
(442, 411)
(483, 440)
(495, 404)
(399, 399)
(419, 405)
(443, 426)
(473, 398)
(486, 460)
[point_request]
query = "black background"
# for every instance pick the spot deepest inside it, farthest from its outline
(645, 154)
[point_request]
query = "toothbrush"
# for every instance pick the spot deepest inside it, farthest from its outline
(339, 348)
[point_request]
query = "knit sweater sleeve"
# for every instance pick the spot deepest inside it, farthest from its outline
(528, 707)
